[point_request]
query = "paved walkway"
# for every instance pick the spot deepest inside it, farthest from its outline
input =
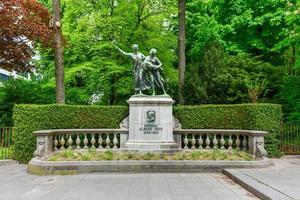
(16, 184)
(282, 181)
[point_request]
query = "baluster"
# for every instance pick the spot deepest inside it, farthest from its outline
(244, 143)
(78, 142)
(62, 142)
(100, 141)
(55, 142)
(70, 141)
(185, 142)
(85, 141)
(200, 141)
(215, 141)
(207, 142)
(193, 141)
(230, 142)
(222, 142)
(115, 141)
(238, 142)
(93, 141)
(107, 141)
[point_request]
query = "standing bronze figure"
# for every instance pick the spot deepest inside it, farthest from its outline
(154, 71)
(146, 70)
(138, 59)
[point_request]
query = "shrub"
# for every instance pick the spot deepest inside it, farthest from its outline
(29, 118)
(265, 117)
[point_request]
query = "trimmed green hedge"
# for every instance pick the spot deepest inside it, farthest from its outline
(28, 118)
(264, 117)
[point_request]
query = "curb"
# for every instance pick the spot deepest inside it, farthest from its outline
(256, 187)
(39, 167)
(291, 157)
(8, 162)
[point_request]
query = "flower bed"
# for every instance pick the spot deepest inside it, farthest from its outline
(93, 155)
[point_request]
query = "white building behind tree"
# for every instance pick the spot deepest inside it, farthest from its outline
(6, 75)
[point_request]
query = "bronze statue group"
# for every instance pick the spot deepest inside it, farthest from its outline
(146, 70)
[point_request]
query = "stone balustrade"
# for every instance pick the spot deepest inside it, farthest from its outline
(247, 140)
(79, 139)
(49, 141)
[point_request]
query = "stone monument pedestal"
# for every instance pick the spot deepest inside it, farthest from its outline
(150, 124)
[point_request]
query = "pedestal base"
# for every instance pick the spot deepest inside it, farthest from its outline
(151, 124)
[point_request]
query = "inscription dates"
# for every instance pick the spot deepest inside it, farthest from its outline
(151, 129)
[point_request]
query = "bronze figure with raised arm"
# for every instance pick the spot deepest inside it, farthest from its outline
(138, 59)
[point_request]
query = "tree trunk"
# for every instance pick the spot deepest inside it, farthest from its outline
(181, 49)
(59, 53)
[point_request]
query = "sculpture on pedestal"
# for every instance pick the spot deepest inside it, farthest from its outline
(154, 65)
(146, 70)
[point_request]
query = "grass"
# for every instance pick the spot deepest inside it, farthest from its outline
(93, 155)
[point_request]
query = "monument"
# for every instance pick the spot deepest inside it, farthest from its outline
(150, 121)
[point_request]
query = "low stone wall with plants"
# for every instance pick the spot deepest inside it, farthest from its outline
(29, 118)
(263, 117)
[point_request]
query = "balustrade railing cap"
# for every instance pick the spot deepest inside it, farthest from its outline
(220, 131)
(55, 131)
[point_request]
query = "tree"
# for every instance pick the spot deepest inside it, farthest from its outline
(218, 78)
(23, 24)
(93, 65)
(291, 38)
(59, 53)
(181, 49)
(20, 91)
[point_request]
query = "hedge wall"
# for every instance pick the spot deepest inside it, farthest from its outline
(28, 118)
(265, 117)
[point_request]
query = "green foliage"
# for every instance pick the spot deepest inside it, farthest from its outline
(265, 117)
(16, 91)
(236, 50)
(232, 42)
(29, 118)
(92, 64)
(6, 153)
(213, 155)
(70, 155)
(257, 27)
(35, 91)
(221, 78)
(290, 97)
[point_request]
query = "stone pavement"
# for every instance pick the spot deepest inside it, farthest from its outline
(16, 184)
(281, 181)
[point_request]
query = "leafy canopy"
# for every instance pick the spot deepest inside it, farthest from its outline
(22, 24)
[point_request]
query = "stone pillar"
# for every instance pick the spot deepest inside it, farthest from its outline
(150, 123)
(256, 144)
(43, 144)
